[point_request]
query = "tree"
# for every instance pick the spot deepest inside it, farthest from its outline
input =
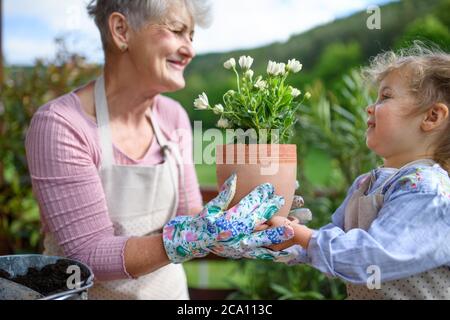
(428, 29)
(442, 12)
(336, 60)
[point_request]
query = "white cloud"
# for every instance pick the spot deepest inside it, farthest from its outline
(23, 51)
(60, 16)
(237, 24)
(66, 17)
(251, 23)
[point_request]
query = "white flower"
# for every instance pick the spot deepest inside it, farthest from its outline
(294, 66)
(295, 92)
(261, 84)
(307, 96)
(218, 109)
(245, 62)
(281, 68)
(249, 74)
(230, 64)
(223, 123)
(276, 69)
(201, 103)
(272, 68)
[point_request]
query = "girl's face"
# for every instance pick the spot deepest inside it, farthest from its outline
(393, 131)
(161, 52)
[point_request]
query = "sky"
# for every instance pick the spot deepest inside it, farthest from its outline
(30, 26)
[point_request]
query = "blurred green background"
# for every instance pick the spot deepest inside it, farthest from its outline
(330, 132)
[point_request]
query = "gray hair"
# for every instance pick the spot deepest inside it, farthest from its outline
(141, 12)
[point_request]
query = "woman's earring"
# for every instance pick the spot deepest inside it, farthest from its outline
(123, 47)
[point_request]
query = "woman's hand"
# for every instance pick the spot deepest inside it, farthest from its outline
(227, 233)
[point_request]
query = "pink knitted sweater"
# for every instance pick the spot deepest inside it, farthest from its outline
(63, 154)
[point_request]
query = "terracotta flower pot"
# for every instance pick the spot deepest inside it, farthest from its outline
(256, 164)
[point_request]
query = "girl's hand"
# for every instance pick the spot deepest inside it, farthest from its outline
(298, 216)
(276, 222)
(296, 219)
(226, 233)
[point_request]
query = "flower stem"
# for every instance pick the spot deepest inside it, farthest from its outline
(238, 79)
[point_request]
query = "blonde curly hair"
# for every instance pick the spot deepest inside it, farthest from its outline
(429, 82)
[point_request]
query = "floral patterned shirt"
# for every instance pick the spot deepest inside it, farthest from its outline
(411, 234)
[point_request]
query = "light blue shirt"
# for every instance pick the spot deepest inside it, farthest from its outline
(411, 234)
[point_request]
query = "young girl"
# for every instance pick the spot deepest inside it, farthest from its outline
(390, 239)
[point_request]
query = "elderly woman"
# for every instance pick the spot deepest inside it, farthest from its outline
(116, 189)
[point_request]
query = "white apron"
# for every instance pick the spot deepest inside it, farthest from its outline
(140, 201)
(360, 212)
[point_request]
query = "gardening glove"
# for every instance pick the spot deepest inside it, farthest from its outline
(188, 237)
(251, 246)
(288, 255)
(255, 249)
(297, 213)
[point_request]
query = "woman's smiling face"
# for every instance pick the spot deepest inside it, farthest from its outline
(161, 52)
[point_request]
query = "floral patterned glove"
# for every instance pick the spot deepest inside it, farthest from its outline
(250, 244)
(188, 237)
(254, 249)
(302, 215)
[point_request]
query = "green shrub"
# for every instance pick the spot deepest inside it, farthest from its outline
(24, 90)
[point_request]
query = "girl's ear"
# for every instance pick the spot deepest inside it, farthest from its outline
(119, 30)
(435, 117)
